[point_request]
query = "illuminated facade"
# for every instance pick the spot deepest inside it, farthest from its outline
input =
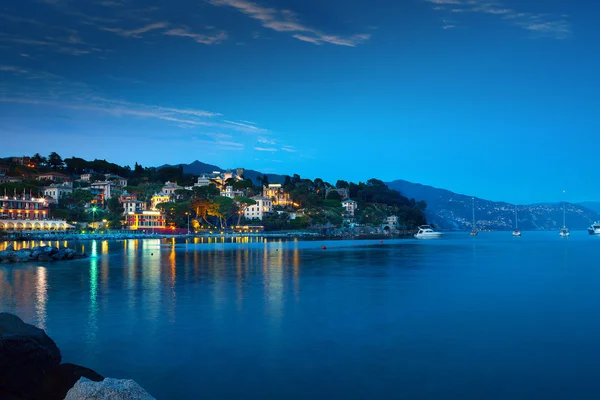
(231, 193)
(23, 207)
(263, 206)
(27, 213)
(133, 206)
(158, 199)
(277, 195)
(145, 221)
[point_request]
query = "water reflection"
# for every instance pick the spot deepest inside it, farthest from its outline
(92, 325)
(41, 296)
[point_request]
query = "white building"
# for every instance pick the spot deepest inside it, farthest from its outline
(106, 187)
(170, 188)
(202, 181)
(263, 206)
(57, 192)
(85, 177)
(232, 194)
(133, 207)
(350, 205)
(390, 224)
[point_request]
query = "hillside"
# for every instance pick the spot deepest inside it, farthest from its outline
(199, 168)
(452, 211)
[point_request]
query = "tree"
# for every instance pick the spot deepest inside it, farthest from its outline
(243, 203)
(342, 185)
(333, 195)
(38, 159)
(206, 192)
(55, 161)
(114, 205)
(224, 210)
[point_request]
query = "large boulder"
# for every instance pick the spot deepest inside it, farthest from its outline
(5, 255)
(21, 256)
(108, 389)
(26, 355)
(62, 378)
(60, 255)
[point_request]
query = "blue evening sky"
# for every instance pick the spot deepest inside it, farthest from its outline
(496, 99)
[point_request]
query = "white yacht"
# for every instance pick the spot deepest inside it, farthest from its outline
(474, 231)
(564, 231)
(427, 232)
(516, 232)
(594, 229)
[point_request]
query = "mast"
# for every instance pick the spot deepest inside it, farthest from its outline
(564, 215)
(473, 201)
(516, 218)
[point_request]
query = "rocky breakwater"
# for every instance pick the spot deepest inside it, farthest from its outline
(30, 368)
(38, 253)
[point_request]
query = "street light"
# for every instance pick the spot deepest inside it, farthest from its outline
(94, 210)
(188, 215)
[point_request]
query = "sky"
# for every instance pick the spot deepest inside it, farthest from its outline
(496, 99)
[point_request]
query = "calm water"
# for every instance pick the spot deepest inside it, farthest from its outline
(490, 317)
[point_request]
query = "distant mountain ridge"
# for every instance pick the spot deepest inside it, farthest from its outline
(453, 211)
(199, 168)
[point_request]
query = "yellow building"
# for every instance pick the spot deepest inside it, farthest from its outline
(277, 195)
(158, 199)
(145, 221)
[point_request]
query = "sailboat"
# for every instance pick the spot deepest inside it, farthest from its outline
(474, 231)
(564, 231)
(516, 232)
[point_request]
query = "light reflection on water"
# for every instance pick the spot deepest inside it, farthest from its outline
(488, 317)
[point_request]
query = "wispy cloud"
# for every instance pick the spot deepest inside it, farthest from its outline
(268, 149)
(207, 39)
(136, 33)
(287, 21)
(289, 149)
(541, 25)
(264, 140)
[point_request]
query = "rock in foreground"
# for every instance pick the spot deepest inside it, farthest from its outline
(39, 253)
(108, 389)
(26, 355)
(61, 379)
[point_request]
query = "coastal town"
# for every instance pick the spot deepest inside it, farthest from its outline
(49, 194)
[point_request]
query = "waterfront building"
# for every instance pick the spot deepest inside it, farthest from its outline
(390, 224)
(53, 177)
(278, 196)
(146, 221)
(23, 207)
(263, 206)
(351, 206)
(158, 199)
(58, 191)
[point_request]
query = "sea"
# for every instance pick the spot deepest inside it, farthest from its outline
(486, 317)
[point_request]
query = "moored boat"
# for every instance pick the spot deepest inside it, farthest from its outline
(427, 232)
